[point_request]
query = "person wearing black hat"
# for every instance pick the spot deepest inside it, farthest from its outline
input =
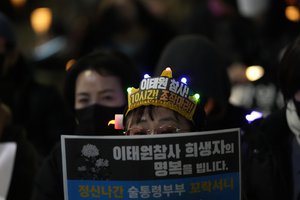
(205, 67)
(39, 108)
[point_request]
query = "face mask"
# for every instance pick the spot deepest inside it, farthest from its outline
(93, 120)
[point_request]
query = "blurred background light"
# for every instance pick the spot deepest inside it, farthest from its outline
(70, 63)
(18, 3)
(253, 116)
(41, 20)
(49, 48)
(254, 72)
(292, 13)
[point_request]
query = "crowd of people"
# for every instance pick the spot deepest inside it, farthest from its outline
(125, 40)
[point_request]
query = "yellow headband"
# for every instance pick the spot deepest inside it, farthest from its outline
(166, 92)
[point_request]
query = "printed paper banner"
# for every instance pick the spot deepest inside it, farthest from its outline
(201, 165)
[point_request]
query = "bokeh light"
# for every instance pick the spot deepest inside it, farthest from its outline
(18, 3)
(254, 72)
(41, 19)
(292, 13)
(70, 63)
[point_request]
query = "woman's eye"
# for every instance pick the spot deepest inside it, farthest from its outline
(83, 101)
(108, 98)
(137, 131)
(168, 130)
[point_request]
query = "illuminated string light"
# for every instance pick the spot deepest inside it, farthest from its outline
(183, 80)
(129, 89)
(197, 96)
(253, 116)
(167, 72)
(147, 76)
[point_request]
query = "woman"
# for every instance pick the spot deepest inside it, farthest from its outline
(205, 66)
(95, 90)
(163, 105)
(272, 162)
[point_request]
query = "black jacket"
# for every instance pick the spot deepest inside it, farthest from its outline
(49, 181)
(267, 161)
(27, 162)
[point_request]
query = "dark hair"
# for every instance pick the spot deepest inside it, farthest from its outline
(198, 123)
(289, 70)
(105, 62)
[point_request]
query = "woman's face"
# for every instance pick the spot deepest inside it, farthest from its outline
(164, 121)
(93, 88)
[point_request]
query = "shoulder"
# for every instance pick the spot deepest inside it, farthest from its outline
(275, 125)
(269, 131)
(49, 181)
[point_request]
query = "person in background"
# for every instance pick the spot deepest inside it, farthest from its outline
(131, 28)
(40, 109)
(26, 160)
(95, 90)
(205, 67)
(172, 108)
(273, 159)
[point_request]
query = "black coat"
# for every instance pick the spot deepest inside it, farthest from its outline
(49, 181)
(27, 162)
(267, 162)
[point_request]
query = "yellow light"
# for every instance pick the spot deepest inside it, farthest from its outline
(254, 72)
(129, 89)
(111, 122)
(292, 13)
(41, 19)
(197, 96)
(69, 64)
(18, 3)
(167, 72)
